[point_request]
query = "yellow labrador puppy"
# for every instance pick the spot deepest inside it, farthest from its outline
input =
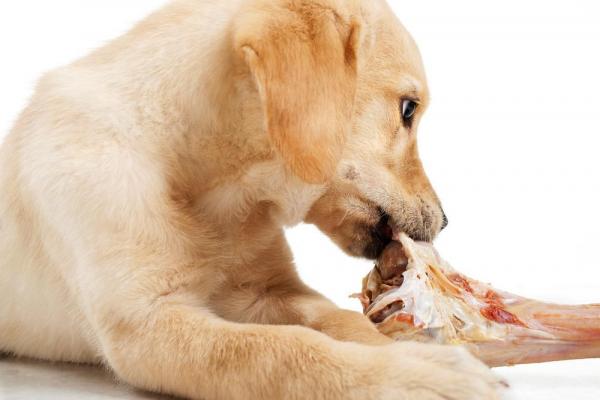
(144, 191)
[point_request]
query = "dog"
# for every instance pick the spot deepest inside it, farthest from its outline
(145, 189)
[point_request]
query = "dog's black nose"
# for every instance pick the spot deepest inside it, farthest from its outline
(444, 220)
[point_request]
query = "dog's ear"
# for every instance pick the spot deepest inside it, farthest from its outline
(303, 58)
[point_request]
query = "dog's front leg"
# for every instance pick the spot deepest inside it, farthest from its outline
(321, 314)
(182, 350)
(269, 291)
(303, 306)
(156, 335)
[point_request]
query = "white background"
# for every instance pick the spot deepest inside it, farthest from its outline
(511, 143)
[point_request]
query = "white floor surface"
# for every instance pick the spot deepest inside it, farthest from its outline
(31, 380)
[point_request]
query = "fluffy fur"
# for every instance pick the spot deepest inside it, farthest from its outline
(144, 190)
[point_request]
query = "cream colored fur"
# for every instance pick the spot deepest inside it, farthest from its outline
(144, 191)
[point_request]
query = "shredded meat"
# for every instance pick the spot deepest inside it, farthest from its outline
(385, 312)
(392, 263)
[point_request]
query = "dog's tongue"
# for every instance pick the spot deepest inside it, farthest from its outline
(413, 294)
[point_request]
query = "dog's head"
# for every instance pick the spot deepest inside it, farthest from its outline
(343, 90)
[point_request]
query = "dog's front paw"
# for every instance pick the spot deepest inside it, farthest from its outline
(430, 372)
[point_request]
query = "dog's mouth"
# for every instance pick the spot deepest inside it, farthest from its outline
(380, 236)
(421, 229)
(369, 241)
(364, 229)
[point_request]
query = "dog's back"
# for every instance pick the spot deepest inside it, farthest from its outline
(38, 315)
(81, 126)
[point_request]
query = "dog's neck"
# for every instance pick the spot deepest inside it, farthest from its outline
(206, 112)
(181, 71)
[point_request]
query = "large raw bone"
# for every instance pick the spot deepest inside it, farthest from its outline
(413, 294)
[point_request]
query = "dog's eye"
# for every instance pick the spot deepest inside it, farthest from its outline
(409, 108)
